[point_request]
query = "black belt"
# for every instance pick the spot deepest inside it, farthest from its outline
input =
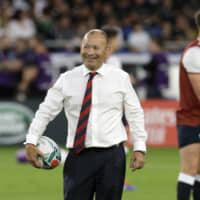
(99, 149)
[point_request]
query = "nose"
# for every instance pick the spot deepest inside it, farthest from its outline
(90, 51)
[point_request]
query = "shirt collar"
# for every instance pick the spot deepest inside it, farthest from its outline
(100, 71)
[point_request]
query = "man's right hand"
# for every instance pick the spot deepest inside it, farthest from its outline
(32, 153)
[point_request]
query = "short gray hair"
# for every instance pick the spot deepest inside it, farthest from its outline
(93, 31)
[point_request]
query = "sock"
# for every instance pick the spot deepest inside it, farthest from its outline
(196, 188)
(184, 186)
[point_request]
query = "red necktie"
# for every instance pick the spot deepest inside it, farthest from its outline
(80, 135)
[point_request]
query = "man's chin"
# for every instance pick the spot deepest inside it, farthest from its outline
(90, 67)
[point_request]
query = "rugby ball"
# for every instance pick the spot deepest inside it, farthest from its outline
(52, 152)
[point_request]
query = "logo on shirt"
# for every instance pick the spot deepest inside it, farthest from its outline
(15, 119)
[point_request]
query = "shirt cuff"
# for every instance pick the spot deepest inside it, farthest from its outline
(139, 146)
(31, 139)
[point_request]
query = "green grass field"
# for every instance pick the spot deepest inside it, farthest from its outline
(157, 181)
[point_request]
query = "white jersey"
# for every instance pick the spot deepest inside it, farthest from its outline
(191, 59)
(114, 60)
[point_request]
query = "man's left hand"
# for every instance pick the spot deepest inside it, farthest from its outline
(137, 160)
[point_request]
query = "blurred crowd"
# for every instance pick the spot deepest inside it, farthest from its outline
(25, 68)
(68, 20)
(30, 30)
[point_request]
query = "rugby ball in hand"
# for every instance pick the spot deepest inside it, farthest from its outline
(52, 152)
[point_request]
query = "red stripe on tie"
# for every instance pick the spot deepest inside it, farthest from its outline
(80, 136)
(89, 84)
(87, 98)
(81, 127)
(85, 112)
(79, 140)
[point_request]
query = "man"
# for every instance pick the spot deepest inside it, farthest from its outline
(188, 120)
(112, 33)
(96, 160)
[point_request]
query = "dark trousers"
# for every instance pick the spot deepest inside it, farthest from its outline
(95, 171)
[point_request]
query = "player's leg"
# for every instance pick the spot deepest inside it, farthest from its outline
(188, 141)
(196, 187)
(110, 179)
(189, 155)
(78, 175)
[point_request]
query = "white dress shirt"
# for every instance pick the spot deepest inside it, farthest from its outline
(114, 60)
(111, 90)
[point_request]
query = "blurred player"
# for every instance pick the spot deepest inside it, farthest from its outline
(38, 74)
(114, 43)
(157, 70)
(188, 120)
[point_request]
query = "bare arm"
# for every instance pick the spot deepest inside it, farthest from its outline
(28, 76)
(195, 81)
(12, 65)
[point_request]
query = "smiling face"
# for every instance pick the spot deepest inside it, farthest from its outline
(94, 49)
